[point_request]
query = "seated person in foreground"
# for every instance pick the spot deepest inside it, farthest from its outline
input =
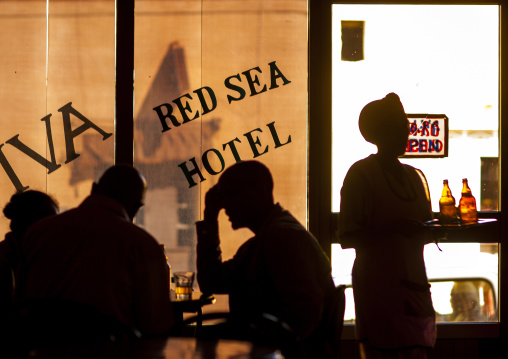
(282, 270)
(94, 255)
(23, 210)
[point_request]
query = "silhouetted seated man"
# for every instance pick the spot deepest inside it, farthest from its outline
(95, 256)
(282, 270)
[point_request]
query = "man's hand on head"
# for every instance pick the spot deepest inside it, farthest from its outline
(213, 204)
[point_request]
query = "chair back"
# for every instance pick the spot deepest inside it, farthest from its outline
(334, 318)
(265, 331)
(193, 325)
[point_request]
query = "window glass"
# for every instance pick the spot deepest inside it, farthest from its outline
(60, 70)
(23, 93)
(81, 76)
(464, 301)
(438, 63)
(463, 278)
(248, 61)
(439, 59)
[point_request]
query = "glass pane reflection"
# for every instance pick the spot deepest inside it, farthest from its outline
(424, 64)
(183, 46)
(463, 276)
(60, 53)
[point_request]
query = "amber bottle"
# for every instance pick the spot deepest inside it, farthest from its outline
(447, 209)
(467, 205)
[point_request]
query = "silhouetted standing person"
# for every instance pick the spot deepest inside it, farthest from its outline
(282, 270)
(95, 256)
(383, 205)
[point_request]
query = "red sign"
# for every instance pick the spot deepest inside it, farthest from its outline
(428, 136)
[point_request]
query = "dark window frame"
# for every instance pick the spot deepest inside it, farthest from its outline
(124, 82)
(322, 222)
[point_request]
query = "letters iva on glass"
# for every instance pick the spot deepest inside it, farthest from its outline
(69, 134)
(208, 104)
(428, 136)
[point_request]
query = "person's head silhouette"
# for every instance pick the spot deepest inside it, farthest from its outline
(26, 208)
(246, 194)
(124, 184)
(384, 123)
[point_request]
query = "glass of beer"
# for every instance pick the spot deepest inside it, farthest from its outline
(183, 284)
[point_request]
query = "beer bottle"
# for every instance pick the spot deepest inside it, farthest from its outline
(467, 205)
(447, 209)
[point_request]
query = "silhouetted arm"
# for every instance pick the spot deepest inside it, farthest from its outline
(209, 257)
(406, 227)
(153, 309)
(214, 275)
(356, 210)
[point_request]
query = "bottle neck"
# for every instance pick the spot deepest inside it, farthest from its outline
(466, 191)
(446, 191)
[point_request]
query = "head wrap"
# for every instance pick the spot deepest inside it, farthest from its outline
(380, 114)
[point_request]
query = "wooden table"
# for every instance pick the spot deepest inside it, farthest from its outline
(191, 305)
(184, 347)
(163, 348)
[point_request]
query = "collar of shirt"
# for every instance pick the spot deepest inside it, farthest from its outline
(99, 200)
(274, 213)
